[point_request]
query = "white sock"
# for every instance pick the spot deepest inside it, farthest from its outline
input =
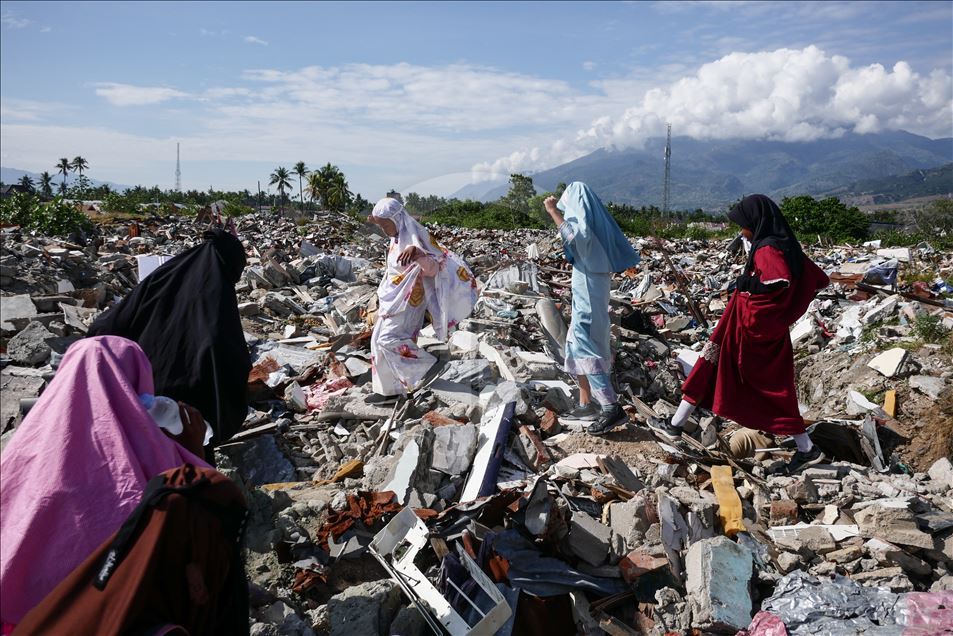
(684, 410)
(804, 443)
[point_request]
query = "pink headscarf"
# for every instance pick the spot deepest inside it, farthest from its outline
(76, 467)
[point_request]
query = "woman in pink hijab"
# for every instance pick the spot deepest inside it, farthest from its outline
(77, 466)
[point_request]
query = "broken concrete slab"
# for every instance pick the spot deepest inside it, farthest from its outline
(260, 461)
(857, 404)
(935, 521)
(889, 362)
(16, 311)
(719, 571)
(412, 465)
(12, 390)
(894, 525)
(888, 554)
(454, 448)
(928, 385)
(901, 254)
(882, 310)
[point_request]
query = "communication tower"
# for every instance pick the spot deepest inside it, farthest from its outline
(667, 187)
(178, 170)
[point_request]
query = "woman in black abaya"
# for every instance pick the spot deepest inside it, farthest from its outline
(185, 317)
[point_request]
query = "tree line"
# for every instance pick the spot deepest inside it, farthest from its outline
(64, 167)
(327, 186)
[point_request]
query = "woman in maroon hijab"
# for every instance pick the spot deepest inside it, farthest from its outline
(746, 371)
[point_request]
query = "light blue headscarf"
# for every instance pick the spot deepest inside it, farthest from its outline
(598, 246)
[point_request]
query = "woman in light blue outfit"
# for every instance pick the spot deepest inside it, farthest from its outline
(596, 247)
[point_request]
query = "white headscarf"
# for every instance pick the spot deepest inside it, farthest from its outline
(450, 294)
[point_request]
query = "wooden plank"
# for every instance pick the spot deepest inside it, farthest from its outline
(623, 475)
(890, 403)
(729, 503)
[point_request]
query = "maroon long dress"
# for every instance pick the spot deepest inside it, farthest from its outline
(746, 372)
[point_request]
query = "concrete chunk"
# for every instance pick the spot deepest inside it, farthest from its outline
(942, 472)
(364, 609)
(629, 520)
(784, 512)
(718, 574)
(589, 539)
(637, 563)
(845, 555)
(31, 346)
(817, 539)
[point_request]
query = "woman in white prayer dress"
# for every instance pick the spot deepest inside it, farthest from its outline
(421, 280)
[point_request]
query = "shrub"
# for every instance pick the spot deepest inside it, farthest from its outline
(477, 215)
(18, 209)
(232, 209)
(929, 329)
(826, 217)
(53, 218)
(58, 218)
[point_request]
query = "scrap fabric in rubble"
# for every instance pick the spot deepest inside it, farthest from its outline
(477, 506)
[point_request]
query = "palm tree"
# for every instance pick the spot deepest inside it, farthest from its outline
(281, 179)
(339, 195)
(302, 171)
(316, 187)
(46, 184)
(79, 164)
(64, 167)
(26, 183)
(329, 185)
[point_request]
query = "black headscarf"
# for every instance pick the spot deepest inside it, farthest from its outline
(185, 317)
(762, 216)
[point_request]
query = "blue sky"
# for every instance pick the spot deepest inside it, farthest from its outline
(428, 96)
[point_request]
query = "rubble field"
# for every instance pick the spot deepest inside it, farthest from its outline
(475, 506)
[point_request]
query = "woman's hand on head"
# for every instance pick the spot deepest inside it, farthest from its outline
(410, 254)
(550, 204)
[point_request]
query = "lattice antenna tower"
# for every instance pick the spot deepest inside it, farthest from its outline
(178, 170)
(667, 186)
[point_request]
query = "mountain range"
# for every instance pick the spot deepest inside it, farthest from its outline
(931, 182)
(13, 175)
(710, 174)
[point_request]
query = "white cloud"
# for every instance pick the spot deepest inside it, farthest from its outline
(588, 66)
(787, 95)
(130, 95)
(28, 110)
(11, 21)
(46, 29)
(449, 98)
(251, 39)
